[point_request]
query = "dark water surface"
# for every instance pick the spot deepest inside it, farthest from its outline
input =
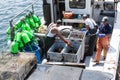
(8, 9)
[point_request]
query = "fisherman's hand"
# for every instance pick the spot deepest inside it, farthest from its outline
(83, 29)
(67, 42)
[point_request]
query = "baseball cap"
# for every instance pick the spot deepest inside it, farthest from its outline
(105, 19)
(58, 21)
(85, 16)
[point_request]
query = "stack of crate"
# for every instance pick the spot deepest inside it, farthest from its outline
(67, 53)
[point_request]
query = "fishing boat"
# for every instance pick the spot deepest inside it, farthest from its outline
(62, 64)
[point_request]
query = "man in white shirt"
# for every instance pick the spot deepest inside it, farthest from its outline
(90, 26)
(53, 31)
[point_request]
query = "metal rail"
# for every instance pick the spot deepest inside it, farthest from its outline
(11, 21)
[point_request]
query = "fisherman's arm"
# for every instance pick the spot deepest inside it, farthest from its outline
(57, 32)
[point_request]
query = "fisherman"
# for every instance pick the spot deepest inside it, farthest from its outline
(105, 31)
(53, 30)
(90, 25)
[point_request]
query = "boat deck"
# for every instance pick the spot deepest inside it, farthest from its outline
(90, 65)
(55, 72)
(111, 62)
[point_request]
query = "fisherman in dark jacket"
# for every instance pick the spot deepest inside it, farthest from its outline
(105, 31)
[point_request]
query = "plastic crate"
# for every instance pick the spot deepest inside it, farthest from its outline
(77, 35)
(54, 53)
(73, 54)
(65, 33)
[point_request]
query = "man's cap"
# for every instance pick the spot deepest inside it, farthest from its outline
(58, 21)
(105, 19)
(85, 16)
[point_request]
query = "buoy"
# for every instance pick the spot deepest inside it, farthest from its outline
(27, 19)
(35, 18)
(17, 37)
(23, 27)
(8, 30)
(37, 25)
(30, 35)
(14, 47)
(21, 45)
(32, 23)
(27, 27)
(25, 38)
(39, 21)
(19, 24)
(8, 37)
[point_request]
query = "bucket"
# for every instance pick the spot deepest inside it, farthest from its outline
(34, 48)
(67, 14)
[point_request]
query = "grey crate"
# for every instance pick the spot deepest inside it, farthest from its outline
(65, 33)
(74, 56)
(77, 35)
(54, 53)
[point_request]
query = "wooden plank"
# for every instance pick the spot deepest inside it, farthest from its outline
(82, 65)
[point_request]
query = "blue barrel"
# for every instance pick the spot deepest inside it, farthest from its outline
(34, 48)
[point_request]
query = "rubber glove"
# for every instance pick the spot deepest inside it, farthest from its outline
(83, 29)
(101, 35)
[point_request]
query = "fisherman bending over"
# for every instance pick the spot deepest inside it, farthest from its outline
(53, 30)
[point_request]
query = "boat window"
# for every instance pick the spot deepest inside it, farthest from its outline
(108, 6)
(79, 4)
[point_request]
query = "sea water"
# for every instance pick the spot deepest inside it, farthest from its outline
(8, 9)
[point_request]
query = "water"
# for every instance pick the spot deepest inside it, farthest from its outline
(8, 9)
